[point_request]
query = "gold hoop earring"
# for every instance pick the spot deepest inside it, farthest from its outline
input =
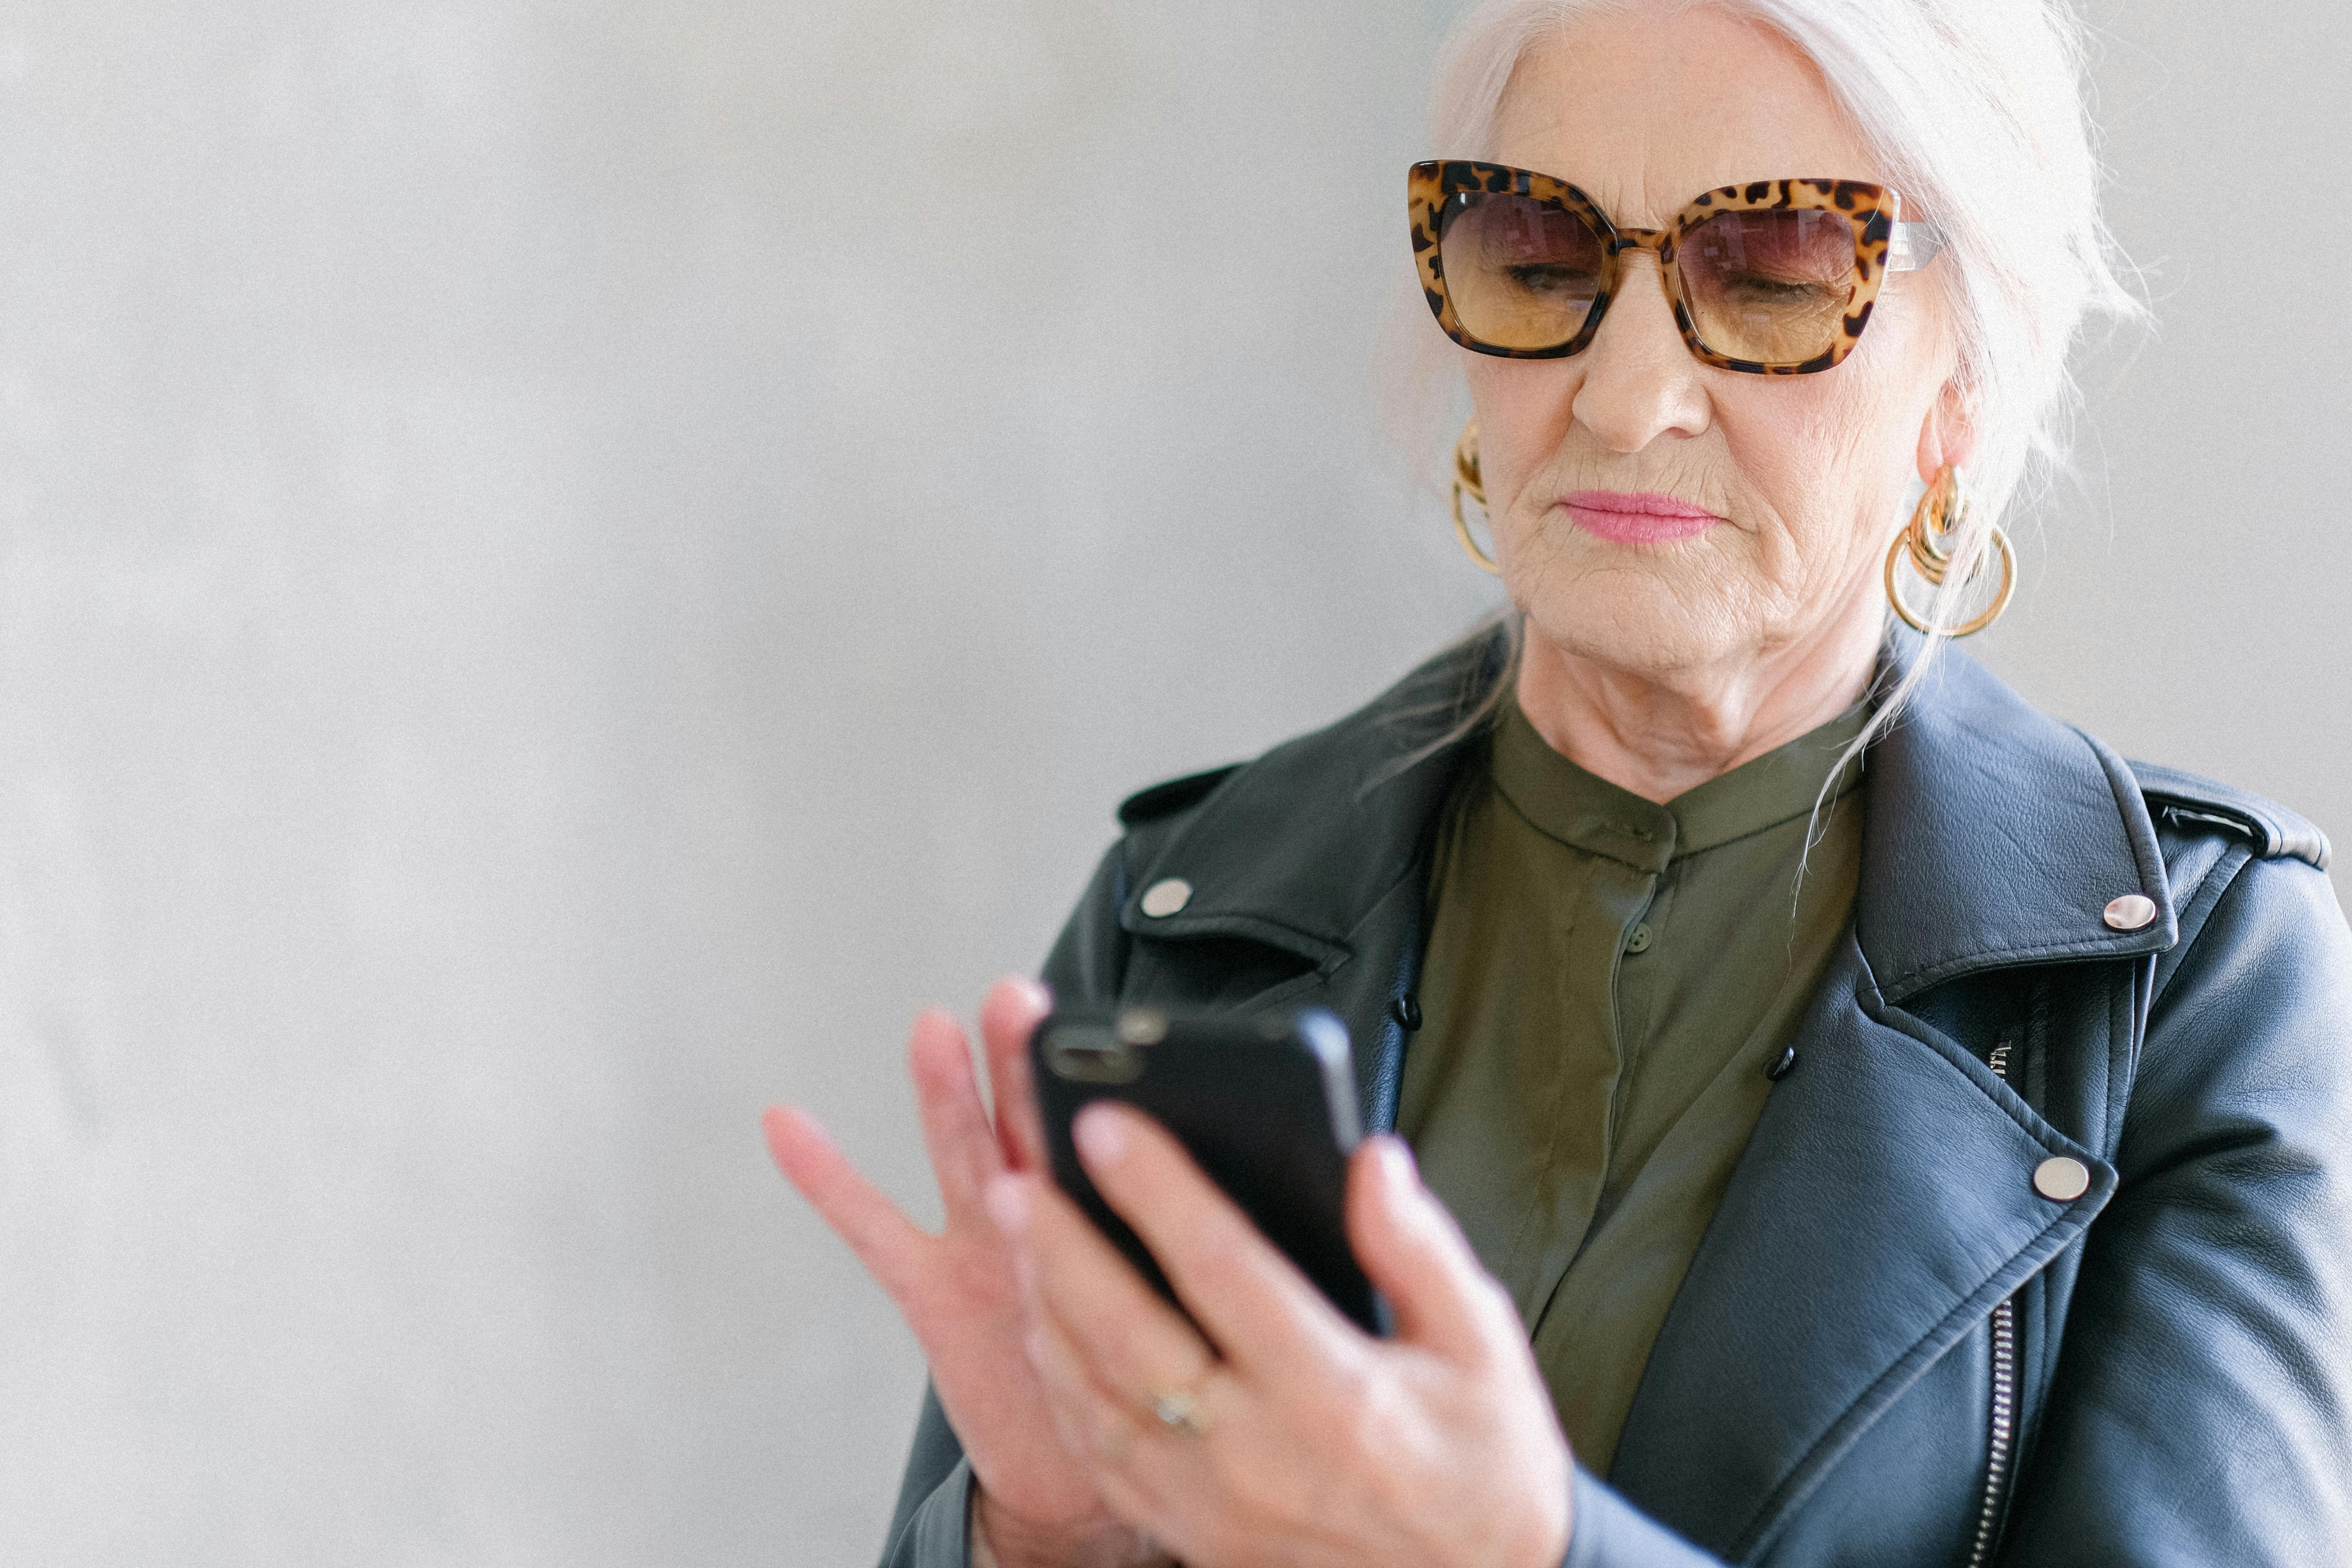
(1925, 540)
(1467, 483)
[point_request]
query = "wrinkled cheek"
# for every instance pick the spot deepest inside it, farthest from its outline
(1827, 570)
(1532, 537)
(1790, 570)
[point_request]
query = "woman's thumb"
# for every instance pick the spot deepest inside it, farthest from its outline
(1417, 1257)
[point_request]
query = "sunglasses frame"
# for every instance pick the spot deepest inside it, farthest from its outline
(1882, 244)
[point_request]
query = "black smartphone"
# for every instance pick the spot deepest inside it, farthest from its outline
(1266, 1107)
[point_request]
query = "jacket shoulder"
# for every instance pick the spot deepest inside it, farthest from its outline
(2188, 803)
(1403, 722)
(1170, 796)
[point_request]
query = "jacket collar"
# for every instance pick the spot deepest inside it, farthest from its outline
(1996, 835)
(1993, 835)
(1296, 848)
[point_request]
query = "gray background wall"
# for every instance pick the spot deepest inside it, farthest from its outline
(564, 566)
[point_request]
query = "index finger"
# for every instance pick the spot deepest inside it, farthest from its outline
(1262, 1312)
(888, 1243)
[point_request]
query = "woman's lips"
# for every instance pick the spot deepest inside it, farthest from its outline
(1642, 518)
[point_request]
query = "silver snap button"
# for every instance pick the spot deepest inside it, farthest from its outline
(1639, 941)
(2130, 912)
(1164, 898)
(2061, 1178)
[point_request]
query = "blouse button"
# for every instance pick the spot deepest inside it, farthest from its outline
(1639, 941)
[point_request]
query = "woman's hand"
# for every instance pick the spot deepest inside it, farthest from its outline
(957, 1289)
(1295, 1439)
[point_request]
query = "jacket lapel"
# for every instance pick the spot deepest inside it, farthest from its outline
(1995, 836)
(1886, 1202)
(1317, 849)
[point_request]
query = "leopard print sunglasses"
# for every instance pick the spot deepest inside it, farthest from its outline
(1773, 278)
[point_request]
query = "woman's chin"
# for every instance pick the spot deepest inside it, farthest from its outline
(1638, 624)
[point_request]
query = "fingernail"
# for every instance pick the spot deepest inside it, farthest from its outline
(1101, 1141)
(1007, 1204)
(1035, 992)
(782, 1122)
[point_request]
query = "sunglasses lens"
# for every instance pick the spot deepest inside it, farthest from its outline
(1771, 285)
(1521, 275)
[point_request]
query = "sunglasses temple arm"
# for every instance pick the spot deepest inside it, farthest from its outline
(1913, 246)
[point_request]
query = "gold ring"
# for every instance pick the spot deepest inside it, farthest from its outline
(1180, 1412)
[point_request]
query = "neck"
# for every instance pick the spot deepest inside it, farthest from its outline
(1660, 735)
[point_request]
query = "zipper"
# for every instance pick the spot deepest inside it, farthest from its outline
(2004, 1435)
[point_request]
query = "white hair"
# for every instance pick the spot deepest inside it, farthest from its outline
(1974, 110)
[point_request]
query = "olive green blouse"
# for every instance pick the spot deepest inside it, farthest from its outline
(1606, 981)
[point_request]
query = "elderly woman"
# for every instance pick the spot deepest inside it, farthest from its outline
(1858, 1119)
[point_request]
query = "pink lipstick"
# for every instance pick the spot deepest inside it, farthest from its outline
(1645, 517)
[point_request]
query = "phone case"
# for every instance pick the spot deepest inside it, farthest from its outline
(1265, 1106)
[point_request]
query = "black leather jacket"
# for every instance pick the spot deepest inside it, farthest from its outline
(1892, 1347)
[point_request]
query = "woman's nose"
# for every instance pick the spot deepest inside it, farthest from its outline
(1639, 381)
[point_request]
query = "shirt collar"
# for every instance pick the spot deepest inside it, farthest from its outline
(1566, 802)
(1992, 835)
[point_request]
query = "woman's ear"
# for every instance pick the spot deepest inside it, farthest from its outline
(1947, 434)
